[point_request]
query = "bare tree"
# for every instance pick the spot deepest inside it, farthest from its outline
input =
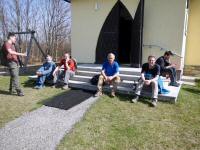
(55, 24)
(50, 19)
(3, 24)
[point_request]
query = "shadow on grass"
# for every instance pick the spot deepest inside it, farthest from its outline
(128, 98)
(67, 99)
(193, 90)
(29, 83)
(5, 92)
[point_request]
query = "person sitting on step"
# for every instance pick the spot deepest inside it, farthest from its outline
(167, 67)
(109, 75)
(69, 70)
(45, 72)
(149, 77)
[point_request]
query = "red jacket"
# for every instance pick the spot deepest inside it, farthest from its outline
(70, 64)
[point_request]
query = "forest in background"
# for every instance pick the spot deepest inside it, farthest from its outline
(51, 19)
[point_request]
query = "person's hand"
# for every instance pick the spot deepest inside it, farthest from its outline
(147, 82)
(173, 65)
(110, 78)
(54, 73)
(24, 54)
(106, 79)
(39, 74)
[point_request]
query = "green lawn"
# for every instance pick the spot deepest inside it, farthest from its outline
(12, 106)
(117, 124)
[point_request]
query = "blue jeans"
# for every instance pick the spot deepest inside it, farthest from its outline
(172, 73)
(41, 79)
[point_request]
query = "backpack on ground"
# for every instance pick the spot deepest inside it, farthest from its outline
(75, 63)
(3, 57)
(95, 79)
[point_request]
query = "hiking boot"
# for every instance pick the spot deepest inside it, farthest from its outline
(154, 102)
(99, 93)
(135, 99)
(112, 94)
(174, 84)
(65, 87)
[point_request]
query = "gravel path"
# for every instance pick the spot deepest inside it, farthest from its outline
(41, 129)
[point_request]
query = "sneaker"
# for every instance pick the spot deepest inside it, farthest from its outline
(99, 93)
(135, 99)
(112, 94)
(38, 87)
(154, 102)
(174, 84)
(20, 93)
(65, 87)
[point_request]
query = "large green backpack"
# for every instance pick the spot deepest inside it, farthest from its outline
(3, 57)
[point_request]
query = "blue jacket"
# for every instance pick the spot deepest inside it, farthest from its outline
(47, 68)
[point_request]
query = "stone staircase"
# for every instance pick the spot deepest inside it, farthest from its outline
(128, 75)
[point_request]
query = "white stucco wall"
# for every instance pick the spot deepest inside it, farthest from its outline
(164, 26)
(87, 23)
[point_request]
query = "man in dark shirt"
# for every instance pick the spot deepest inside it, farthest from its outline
(149, 77)
(167, 67)
(13, 64)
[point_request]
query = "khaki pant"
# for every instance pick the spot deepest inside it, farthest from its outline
(115, 81)
(14, 76)
(153, 84)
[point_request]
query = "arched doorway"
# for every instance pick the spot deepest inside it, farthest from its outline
(121, 34)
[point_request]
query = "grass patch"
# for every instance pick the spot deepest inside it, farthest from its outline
(117, 124)
(12, 106)
(197, 81)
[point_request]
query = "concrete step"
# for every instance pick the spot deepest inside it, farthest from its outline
(97, 68)
(123, 83)
(188, 79)
(122, 76)
(171, 97)
(189, 83)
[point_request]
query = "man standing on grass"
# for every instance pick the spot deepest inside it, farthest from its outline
(109, 75)
(149, 77)
(13, 63)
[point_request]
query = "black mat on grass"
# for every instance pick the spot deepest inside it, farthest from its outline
(69, 99)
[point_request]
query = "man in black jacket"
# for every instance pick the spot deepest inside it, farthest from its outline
(149, 77)
(167, 67)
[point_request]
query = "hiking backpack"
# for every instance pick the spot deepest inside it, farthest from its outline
(3, 57)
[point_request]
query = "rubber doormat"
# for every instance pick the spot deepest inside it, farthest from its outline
(69, 99)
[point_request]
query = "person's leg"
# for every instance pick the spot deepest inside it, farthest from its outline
(154, 86)
(11, 87)
(99, 86)
(40, 82)
(68, 75)
(14, 73)
(115, 82)
(138, 90)
(57, 77)
(172, 74)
